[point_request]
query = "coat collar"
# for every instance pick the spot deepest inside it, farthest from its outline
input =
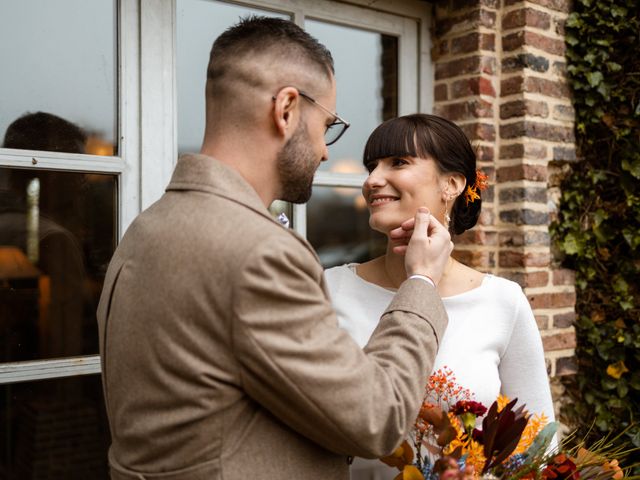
(206, 174)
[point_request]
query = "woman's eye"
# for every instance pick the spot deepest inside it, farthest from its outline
(371, 166)
(397, 162)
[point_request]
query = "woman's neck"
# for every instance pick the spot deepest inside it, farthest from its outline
(388, 271)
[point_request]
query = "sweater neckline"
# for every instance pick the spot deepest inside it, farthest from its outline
(351, 267)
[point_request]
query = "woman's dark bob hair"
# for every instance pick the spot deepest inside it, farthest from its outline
(429, 136)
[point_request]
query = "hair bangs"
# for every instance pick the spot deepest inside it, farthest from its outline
(393, 138)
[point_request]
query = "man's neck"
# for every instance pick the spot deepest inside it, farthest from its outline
(256, 169)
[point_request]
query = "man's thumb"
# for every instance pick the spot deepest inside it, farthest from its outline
(422, 221)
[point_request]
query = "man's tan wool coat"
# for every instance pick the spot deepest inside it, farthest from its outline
(221, 354)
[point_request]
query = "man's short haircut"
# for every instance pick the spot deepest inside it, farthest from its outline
(255, 36)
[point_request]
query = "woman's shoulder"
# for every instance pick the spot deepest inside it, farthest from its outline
(334, 274)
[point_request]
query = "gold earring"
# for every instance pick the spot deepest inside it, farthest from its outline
(447, 218)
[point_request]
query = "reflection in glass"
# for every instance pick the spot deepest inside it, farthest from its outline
(63, 62)
(199, 23)
(54, 429)
(338, 227)
(57, 235)
(366, 65)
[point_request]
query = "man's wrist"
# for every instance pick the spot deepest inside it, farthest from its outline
(425, 278)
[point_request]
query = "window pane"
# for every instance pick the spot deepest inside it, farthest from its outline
(57, 235)
(366, 66)
(54, 429)
(62, 56)
(338, 227)
(199, 23)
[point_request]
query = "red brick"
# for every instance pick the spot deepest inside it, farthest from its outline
(564, 320)
(466, 44)
(511, 86)
(458, 67)
(535, 151)
(479, 131)
(485, 154)
(515, 150)
(550, 88)
(538, 259)
(469, 20)
(564, 112)
(465, 110)
(536, 279)
(486, 218)
(477, 259)
(552, 300)
(564, 277)
(542, 321)
(541, 131)
(558, 5)
(517, 40)
(566, 366)
(477, 237)
(559, 341)
(472, 86)
(510, 258)
(526, 17)
(529, 279)
(519, 238)
(536, 173)
(440, 92)
(521, 108)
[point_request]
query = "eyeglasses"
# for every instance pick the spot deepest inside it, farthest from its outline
(335, 129)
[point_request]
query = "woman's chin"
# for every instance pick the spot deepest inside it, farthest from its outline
(383, 227)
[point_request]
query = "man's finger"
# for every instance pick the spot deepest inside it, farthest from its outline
(422, 223)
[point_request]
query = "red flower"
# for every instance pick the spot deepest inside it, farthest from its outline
(469, 406)
(561, 468)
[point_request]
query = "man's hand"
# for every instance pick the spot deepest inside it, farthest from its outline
(425, 243)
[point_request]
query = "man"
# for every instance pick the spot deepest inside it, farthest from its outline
(221, 353)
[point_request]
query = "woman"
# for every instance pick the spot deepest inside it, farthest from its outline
(492, 343)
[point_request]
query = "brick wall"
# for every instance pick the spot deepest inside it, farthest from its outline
(500, 75)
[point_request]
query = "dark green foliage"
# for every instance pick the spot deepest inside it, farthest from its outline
(598, 228)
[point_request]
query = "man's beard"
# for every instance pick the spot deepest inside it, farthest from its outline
(296, 167)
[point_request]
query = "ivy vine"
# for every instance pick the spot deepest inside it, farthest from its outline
(598, 227)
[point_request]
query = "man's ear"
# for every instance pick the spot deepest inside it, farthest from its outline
(285, 104)
(454, 184)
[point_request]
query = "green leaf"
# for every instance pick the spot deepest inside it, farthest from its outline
(594, 78)
(632, 167)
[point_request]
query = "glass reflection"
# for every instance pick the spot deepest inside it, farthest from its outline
(199, 23)
(57, 235)
(338, 227)
(54, 429)
(63, 61)
(367, 85)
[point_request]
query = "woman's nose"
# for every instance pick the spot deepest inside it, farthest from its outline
(375, 179)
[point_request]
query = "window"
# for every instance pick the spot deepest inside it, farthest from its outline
(101, 97)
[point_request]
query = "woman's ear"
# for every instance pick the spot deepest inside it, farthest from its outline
(454, 185)
(285, 103)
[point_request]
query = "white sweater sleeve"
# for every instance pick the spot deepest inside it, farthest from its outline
(522, 367)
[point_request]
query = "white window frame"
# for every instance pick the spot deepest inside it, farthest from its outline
(147, 114)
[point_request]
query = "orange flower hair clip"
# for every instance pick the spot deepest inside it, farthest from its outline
(471, 193)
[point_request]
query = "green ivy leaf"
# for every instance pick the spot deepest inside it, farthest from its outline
(594, 78)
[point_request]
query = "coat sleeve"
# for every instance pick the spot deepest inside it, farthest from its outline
(299, 365)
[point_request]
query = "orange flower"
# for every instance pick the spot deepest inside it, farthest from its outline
(482, 181)
(534, 427)
(471, 194)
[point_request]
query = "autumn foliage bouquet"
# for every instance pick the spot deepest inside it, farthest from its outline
(511, 444)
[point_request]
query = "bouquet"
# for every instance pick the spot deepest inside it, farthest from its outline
(511, 443)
